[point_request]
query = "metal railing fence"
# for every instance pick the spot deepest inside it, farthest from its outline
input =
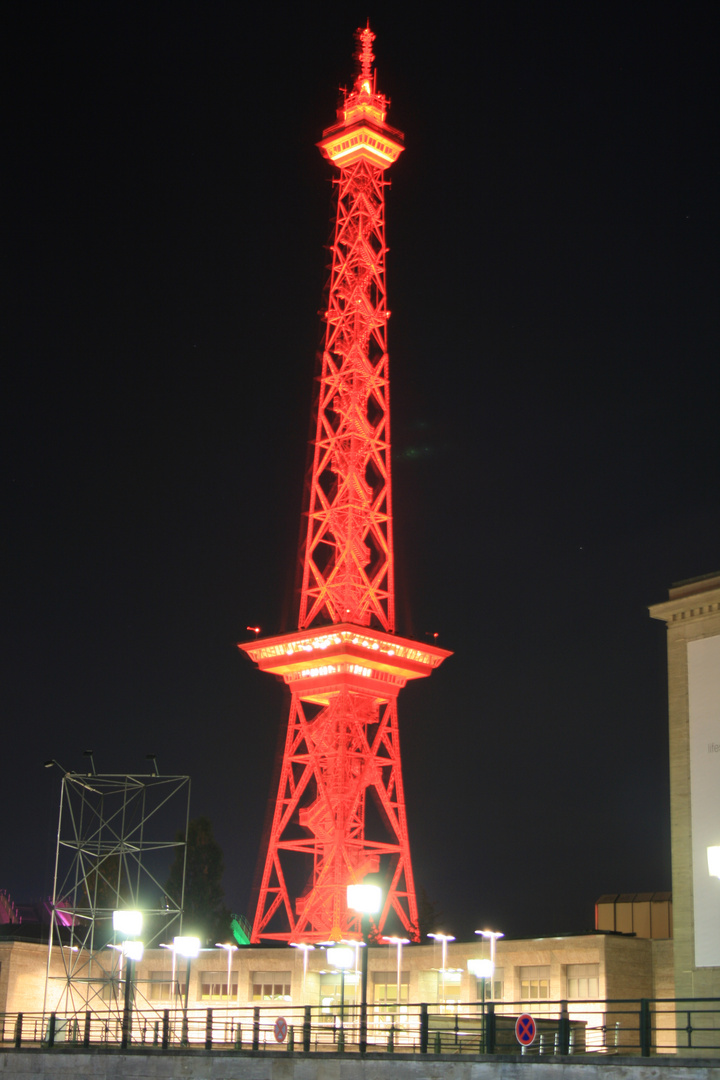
(642, 1026)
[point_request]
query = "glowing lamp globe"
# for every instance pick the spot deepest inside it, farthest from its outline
(187, 946)
(481, 969)
(133, 950)
(128, 922)
(367, 899)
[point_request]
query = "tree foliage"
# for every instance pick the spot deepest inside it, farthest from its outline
(204, 910)
(429, 914)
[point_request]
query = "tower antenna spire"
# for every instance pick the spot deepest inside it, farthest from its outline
(340, 808)
(364, 53)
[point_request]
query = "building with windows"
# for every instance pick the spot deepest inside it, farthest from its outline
(529, 973)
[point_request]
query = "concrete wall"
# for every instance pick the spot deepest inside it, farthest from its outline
(77, 1065)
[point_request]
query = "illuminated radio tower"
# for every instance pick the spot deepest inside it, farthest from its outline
(340, 807)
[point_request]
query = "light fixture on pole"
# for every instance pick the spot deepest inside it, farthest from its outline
(129, 925)
(399, 942)
(306, 948)
(230, 950)
(189, 947)
(492, 936)
(443, 939)
(341, 957)
(482, 970)
(366, 900)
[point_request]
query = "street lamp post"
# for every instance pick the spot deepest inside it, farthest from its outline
(230, 950)
(189, 947)
(399, 941)
(366, 900)
(341, 958)
(443, 939)
(482, 970)
(492, 936)
(306, 948)
(128, 924)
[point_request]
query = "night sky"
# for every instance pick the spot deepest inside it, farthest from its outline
(553, 282)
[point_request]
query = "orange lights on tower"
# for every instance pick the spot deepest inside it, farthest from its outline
(340, 809)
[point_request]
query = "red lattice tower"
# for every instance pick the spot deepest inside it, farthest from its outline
(340, 807)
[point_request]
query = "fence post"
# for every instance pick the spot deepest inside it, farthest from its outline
(645, 1029)
(391, 1038)
(564, 1029)
(291, 1039)
(490, 1028)
(362, 1039)
(86, 1033)
(166, 1029)
(208, 1029)
(51, 1029)
(423, 1028)
(256, 1028)
(18, 1030)
(307, 1029)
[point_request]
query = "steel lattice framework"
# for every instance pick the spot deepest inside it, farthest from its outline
(348, 564)
(115, 831)
(340, 807)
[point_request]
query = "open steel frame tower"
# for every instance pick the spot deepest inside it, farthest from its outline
(340, 806)
(115, 833)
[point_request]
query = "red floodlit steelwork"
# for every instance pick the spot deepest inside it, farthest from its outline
(340, 809)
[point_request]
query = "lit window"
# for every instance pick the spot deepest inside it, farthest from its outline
(385, 988)
(161, 986)
(449, 986)
(494, 988)
(583, 981)
(214, 984)
(535, 982)
(331, 990)
(270, 985)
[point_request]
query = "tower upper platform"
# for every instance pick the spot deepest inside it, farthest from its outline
(317, 663)
(361, 131)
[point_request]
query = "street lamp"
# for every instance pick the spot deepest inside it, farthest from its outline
(303, 945)
(230, 950)
(366, 900)
(399, 941)
(443, 939)
(342, 958)
(482, 970)
(493, 936)
(129, 925)
(189, 947)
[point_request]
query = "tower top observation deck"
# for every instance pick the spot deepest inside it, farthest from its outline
(361, 131)
(317, 662)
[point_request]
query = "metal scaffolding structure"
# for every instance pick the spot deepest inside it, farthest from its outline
(117, 834)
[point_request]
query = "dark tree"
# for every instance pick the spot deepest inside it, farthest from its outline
(429, 914)
(204, 910)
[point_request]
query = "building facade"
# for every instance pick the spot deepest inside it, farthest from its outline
(692, 618)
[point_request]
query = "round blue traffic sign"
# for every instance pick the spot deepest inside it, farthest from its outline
(280, 1029)
(525, 1029)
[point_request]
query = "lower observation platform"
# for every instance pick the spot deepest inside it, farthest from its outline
(318, 663)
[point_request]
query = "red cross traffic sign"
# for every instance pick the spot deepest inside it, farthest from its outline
(525, 1029)
(280, 1029)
